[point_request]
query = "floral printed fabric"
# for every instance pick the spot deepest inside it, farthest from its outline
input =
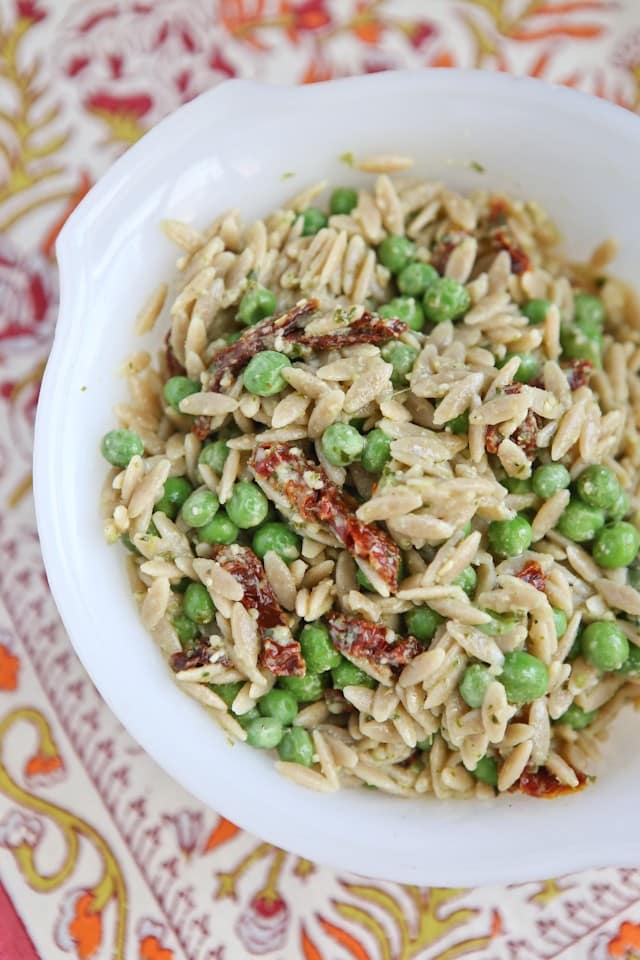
(101, 855)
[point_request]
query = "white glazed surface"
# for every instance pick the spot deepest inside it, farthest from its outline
(230, 147)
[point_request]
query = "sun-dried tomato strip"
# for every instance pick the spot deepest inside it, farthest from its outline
(359, 638)
(280, 651)
(302, 488)
(368, 328)
(579, 373)
(532, 573)
(542, 783)
(229, 362)
(520, 262)
(197, 656)
(524, 436)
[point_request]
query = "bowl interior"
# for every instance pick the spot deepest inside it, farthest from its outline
(251, 147)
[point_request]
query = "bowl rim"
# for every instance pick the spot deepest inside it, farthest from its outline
(240, 94)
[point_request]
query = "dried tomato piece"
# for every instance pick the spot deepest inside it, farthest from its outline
(280, 653)
(359, 638)
(368, 328)
(532, 573)
(197, 656)
(301, 488)
(579, 373)
(498, 208)
(229, 362)
(542, 783)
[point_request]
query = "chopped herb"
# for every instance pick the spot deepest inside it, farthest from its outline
(347, 158)
(477, 167)
(287, 175)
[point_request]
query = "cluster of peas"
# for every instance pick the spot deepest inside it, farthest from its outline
(593, 515)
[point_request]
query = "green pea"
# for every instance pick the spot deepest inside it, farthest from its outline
(214, 455)
(305, 689)
(518, 485)
(346, 674)
(200, 508)
(577, 345)
(264, 733)
(577, 718)
(525, 678)
(580, 522)
(279, 704)
(459, 424)
(467, 581)
(415, 278)
(186, 629)
(631, 666)
(510, 538)
(604, 645)
(474, 683)
(219, 530)
(499, 624)
(313, 220)
(549, 478)
(227, 691)
(377, 450)
(296, 746)
(263, 374)
(406, 309)
(256, 304)
(119, 446)
(197, 603)
(445, 299)
(559, 622)
(175, 492)
(616, 545)
(395, 252)
(536, 310)
(342, 444)
(318, 651)
(247, 506)
(527, 370)
(620, 508)
(402, 357)
(588, 310)
(277, 537)
(422, 623)
(177, 389)
(425, 744)
(598, 486)
(343, 200)
(486, 770)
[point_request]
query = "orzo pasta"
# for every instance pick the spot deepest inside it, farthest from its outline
(380, 489)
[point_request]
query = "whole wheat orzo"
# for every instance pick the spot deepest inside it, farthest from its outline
(380, 489)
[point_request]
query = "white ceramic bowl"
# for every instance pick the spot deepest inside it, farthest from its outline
(577, 156)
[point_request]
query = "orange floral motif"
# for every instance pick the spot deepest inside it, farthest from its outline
(43, 768)
(152, 949)
(80, 925)
(223, 831)
(628, 939)
(9, 667)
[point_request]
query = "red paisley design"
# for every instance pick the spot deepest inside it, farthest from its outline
(28, 299)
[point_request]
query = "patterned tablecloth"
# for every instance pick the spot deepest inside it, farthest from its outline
(101, 854)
